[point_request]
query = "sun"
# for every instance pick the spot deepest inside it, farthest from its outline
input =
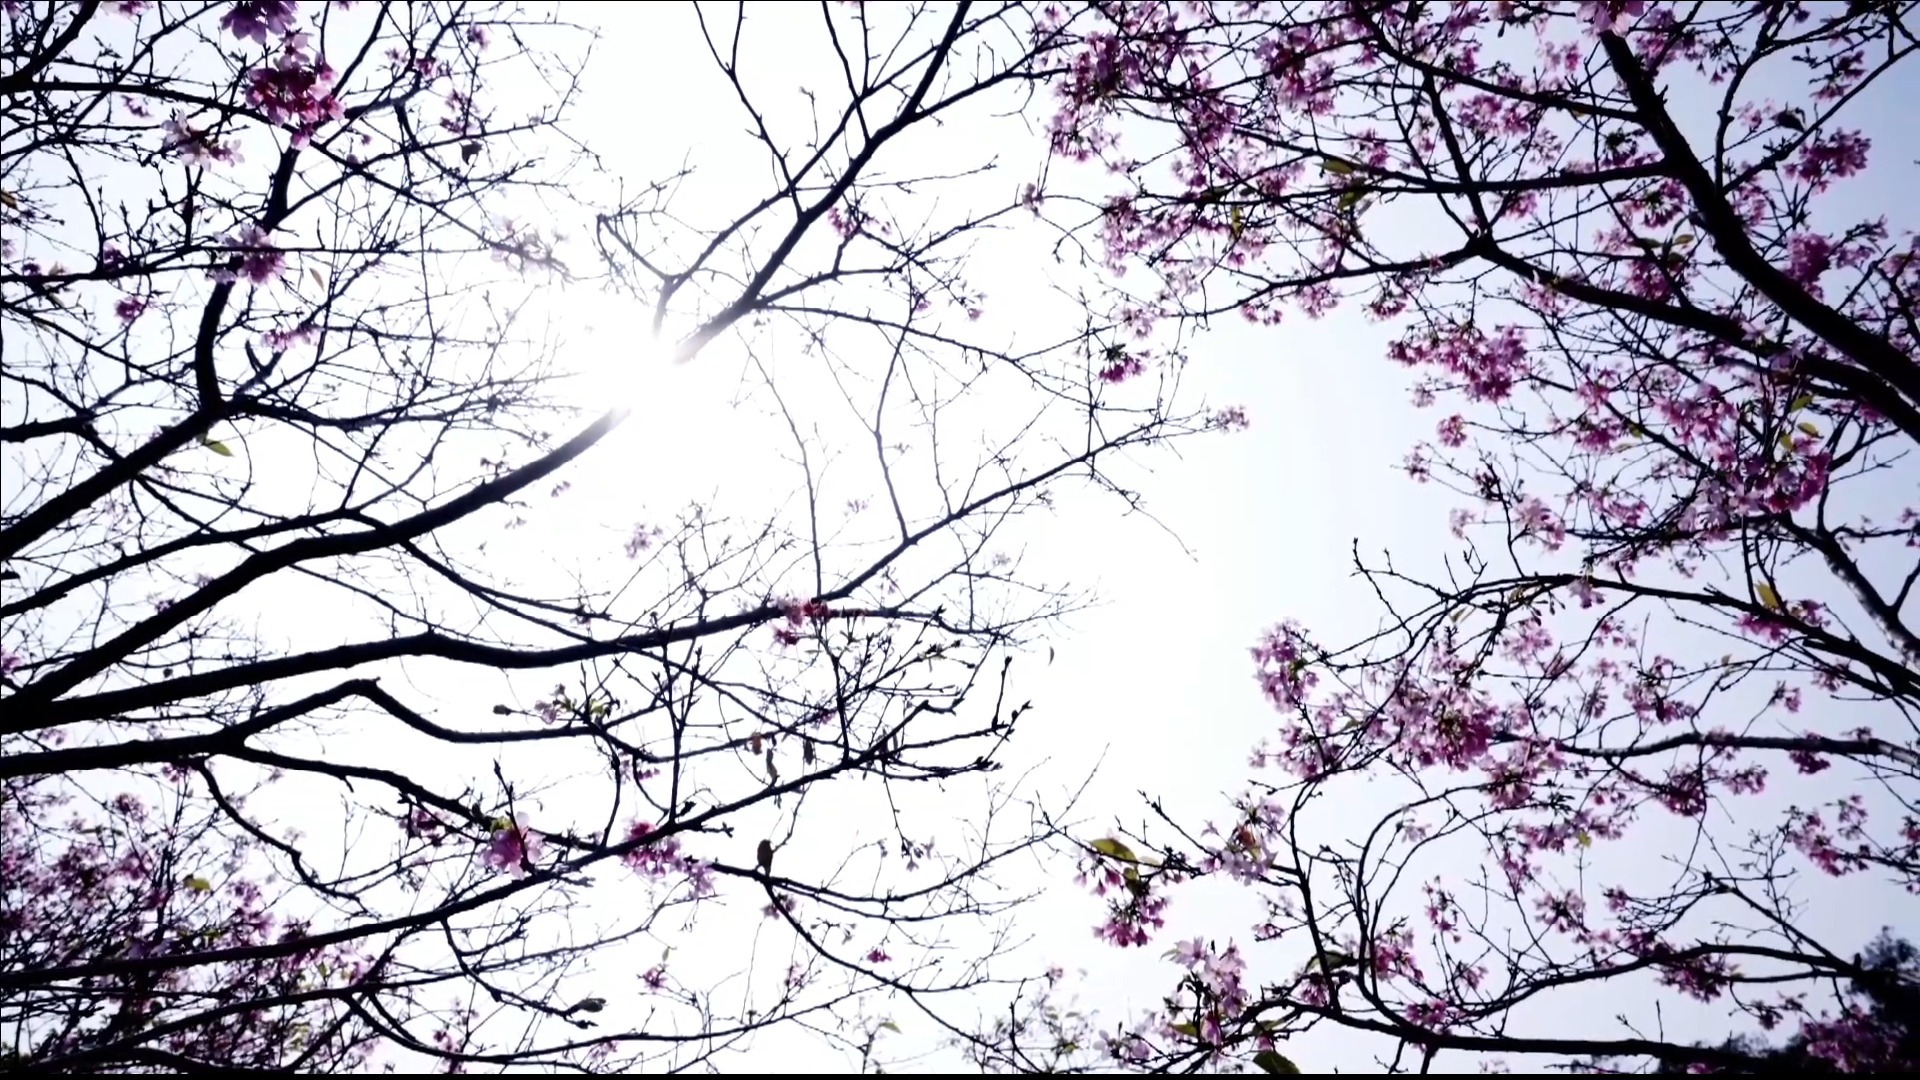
(672, 440)
(608, 353)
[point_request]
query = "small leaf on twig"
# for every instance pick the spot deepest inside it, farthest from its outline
(1274, 1063)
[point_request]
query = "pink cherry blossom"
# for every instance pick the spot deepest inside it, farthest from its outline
(513, 850)
(1639, 348)
(255, 20)
(260, 261)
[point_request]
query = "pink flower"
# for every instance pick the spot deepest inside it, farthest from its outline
(699, 877)
(254, 20)
(1231, 418)
(1808, 256)
(1133, 921)
(848, 221)
(260, 261)
(422, 823)
(643, 539)
(1537, 521)
(128, 308)
(1120, 366)
(295, 90)
(1432, 1015)
(661, 859)
(513, 849)
(1704, 978)
(814, 611)
(798, 615)
(877, 955)
(1611, 16)
(279, 341)
(1830, 156)
(1809, 762)
(196, 146)
(1488, 366)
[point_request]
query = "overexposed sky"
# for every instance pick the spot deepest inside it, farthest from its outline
(1153, 686)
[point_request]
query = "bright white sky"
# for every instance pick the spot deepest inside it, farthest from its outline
(1154, 687)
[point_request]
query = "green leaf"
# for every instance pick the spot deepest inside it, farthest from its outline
(1769, 598)
(1189, 1030)
(1800, 402)
(890, 1026)
(1351, 197)
(1114, 849)
(1274, 1063)
(216, 446)
(1808, 429)
(1685, 239)
(1337, 167)
(198, 883)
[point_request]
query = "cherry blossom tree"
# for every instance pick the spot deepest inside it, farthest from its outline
(1886, 997)
(306, 766)
(1632, 756)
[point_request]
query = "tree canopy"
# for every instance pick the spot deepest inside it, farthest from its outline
(367, 702)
